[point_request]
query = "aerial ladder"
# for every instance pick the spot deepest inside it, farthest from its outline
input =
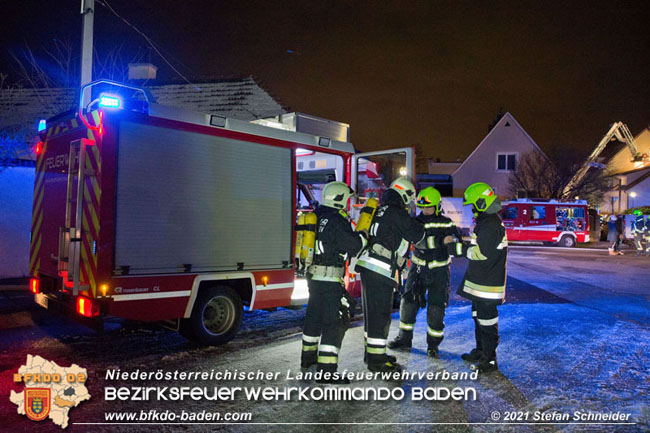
(618, 131)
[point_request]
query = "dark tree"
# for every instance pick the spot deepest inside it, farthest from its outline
(545, 177)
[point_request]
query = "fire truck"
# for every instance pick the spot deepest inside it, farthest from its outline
(155, 214)
(551, 222)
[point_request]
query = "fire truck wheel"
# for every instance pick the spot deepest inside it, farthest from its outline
(216, 316)
(567, 241)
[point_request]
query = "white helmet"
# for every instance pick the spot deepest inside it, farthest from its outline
(404, 188)
(336, 195)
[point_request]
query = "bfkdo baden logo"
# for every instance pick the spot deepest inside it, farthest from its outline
(37, 403)
(50, 390)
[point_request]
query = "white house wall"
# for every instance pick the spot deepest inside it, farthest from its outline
(636, 196)
(481, 165)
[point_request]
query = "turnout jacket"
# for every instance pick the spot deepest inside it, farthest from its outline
(430, 252)
(335, 242)
(640, 226)
(485, 278)
(391, 231)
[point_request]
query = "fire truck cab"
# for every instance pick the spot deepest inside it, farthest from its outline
(152, 213)
(551, 222)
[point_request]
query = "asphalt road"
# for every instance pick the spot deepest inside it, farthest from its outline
(575, 336)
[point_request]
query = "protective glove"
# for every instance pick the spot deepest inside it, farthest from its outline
(348, 305)
(451, 249)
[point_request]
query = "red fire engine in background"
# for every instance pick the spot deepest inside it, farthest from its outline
(561, 223)
(151, 213)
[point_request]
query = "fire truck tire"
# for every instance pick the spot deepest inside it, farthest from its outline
(216, 316)
(567, 241)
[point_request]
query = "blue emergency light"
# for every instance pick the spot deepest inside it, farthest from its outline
(42, 125)
(109, 101)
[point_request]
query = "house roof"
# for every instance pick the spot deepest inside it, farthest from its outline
(241, 99)
(641, 178)
(507, 118)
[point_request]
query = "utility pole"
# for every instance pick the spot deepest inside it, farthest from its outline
(88, 17)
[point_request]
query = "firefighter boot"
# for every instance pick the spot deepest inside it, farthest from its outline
(472, 356)
(485, 365)
(432, 352)
(401, 342)
(386, 367)
(391, 358)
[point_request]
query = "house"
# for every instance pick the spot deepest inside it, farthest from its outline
(495, 158)
(438, 176)
(21, 109)
(630, 180)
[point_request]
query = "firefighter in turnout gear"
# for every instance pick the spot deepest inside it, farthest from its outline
(484, 282)
(328, 310)
(641, 230)
(391, 232)
(429, 272)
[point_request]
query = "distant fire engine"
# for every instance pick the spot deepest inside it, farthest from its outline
(152, 213)
(561, 223)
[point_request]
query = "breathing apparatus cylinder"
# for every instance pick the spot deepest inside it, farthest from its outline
(299, 233)
(366, 215)
(308, 239)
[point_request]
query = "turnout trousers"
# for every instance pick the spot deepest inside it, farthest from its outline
(486, 327)
(377, 292)
(638, 241)
(436, 282)
(325, 325)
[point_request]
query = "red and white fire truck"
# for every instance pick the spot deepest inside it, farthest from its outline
(553, 222)
(151, 213)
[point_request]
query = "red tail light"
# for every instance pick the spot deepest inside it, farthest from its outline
(39, 147)
(34, 285)
(87, 307)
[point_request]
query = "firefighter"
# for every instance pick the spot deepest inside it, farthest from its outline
(639, 231)
(429, 271)
(484, 282)
(328, 310)
(391, 232)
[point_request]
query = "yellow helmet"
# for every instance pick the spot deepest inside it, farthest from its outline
(429, 197)
(480, 194)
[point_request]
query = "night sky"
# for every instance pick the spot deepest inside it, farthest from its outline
(400, 73)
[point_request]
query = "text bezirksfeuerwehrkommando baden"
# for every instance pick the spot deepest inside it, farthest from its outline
(227, 391)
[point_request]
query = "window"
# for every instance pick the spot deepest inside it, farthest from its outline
(511, 213)
(506, 161)
(570, 218)
(538, 212)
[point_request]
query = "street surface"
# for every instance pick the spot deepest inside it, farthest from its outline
(575, 336)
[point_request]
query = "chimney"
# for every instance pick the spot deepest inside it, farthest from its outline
(142, 71)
